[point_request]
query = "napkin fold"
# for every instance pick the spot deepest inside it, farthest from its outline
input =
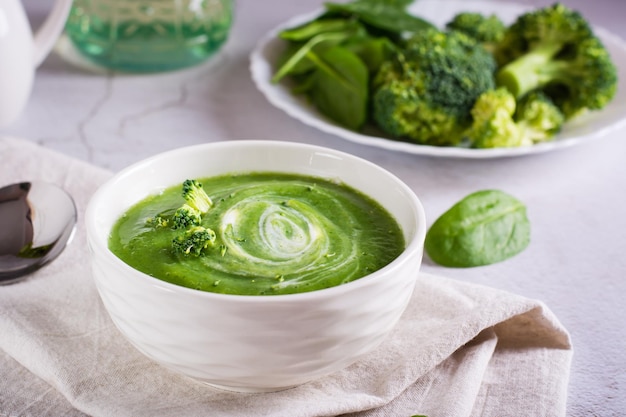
(459, 350)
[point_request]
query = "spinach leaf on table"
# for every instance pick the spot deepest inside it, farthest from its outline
(485, 227)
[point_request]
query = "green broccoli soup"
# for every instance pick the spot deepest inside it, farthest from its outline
(257, 234)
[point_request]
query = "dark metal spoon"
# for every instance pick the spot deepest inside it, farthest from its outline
(37, 220)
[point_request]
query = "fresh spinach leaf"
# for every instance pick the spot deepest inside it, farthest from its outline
(303, 83)
(381, 15)
(294, 63)
(483, 228)
(396, 3)
(316, 27)
(302, 66)
(332, 57)
(373, 51)
(340, 89)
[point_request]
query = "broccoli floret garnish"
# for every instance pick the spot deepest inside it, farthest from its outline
(554, 49)
(185, 217)
(499, 121)
(426, 92)
(157, 221)
(196, 197)
(194, 241)
(486, 29)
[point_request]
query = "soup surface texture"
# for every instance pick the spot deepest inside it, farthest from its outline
(274, 234)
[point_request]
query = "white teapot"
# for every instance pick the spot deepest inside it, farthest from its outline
(21, 53)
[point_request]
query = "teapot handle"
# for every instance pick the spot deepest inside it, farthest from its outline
(50, 30)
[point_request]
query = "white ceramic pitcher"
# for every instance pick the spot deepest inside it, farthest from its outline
(21, 52)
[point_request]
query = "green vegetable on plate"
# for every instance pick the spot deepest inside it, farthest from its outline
(339, 86)
(331, 59)
(554, 50)
(384, 15)
(371, 64)
(483, 228)
(500, 122)
(488, 30)
(426, 91)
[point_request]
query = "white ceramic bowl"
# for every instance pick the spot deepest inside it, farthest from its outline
(253, 343)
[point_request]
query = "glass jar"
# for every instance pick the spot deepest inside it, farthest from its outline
(149, 35)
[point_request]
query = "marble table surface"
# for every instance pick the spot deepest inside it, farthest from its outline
(576, 197)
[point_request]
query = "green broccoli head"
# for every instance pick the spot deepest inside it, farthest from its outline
(426, 91)
(554, 49)
(486, 29)
(196, 196)
(501, 121)
(400, 111)
(185, 216)
(157, 221)
(193, 241)
(538, 117)
(493, 125)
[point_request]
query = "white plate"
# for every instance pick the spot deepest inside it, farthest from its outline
(583, 129)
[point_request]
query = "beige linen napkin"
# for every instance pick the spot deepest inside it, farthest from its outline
(459, 350)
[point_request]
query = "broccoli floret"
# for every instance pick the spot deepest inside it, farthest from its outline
(196, 196)
(538, 117)
(554, 49)
(493, 125)
(499, 121)
(157, 221)
(185, 216)
(193, 241)
(426, 91)
(486, 29)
